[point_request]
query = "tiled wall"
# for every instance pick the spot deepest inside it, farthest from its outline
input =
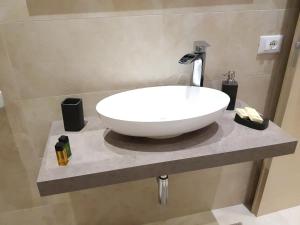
(93, 48)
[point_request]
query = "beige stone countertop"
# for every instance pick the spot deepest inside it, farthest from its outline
(102, 157)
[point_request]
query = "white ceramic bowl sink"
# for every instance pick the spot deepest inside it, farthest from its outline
(162, 112)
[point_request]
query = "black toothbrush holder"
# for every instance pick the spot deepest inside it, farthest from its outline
(72, 112)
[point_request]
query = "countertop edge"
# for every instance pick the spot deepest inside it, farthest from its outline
(77, 183)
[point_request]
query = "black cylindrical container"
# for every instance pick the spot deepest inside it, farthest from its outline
(72, 112)
(230, 87)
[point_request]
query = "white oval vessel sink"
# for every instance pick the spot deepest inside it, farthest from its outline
(162, 112)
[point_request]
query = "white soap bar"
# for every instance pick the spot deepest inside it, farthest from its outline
(1, 100)
(254, 115)
(242, 113)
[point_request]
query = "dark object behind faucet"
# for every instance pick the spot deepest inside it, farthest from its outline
(230, 87)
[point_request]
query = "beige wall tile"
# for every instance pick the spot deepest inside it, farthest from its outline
(18, 169)
(15, 116)
(21, 141)
(14, 186)
(236, 182)
(204, 218)
(135, 203)
(81, 55)
(8, 84)
(7, 141)
(58, 214)
(15, 190)
(85, 56)
(69, 8)
(252, 87)
(12, 10)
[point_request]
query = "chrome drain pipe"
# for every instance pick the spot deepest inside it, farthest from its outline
(163, 189)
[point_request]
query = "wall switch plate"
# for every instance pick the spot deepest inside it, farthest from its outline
(270, 44)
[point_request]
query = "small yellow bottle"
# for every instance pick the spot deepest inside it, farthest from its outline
(65, 139)
(61, 154)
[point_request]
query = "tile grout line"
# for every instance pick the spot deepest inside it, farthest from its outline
(112, 91)
(83, 16)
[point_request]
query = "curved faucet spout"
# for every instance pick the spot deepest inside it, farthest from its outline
(189, 58)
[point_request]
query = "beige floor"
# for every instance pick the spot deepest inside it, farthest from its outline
(236, 215)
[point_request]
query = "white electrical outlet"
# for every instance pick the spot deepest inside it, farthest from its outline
(270, 44)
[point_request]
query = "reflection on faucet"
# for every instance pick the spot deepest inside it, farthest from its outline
(163, 184)
(198, 58)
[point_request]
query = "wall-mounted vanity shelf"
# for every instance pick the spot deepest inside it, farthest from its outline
(102, 158)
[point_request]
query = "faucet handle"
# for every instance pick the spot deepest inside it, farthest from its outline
(200, 46)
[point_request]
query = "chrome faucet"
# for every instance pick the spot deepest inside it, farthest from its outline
(198, 58)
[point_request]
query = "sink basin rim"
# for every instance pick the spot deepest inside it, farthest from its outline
(103, 101)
